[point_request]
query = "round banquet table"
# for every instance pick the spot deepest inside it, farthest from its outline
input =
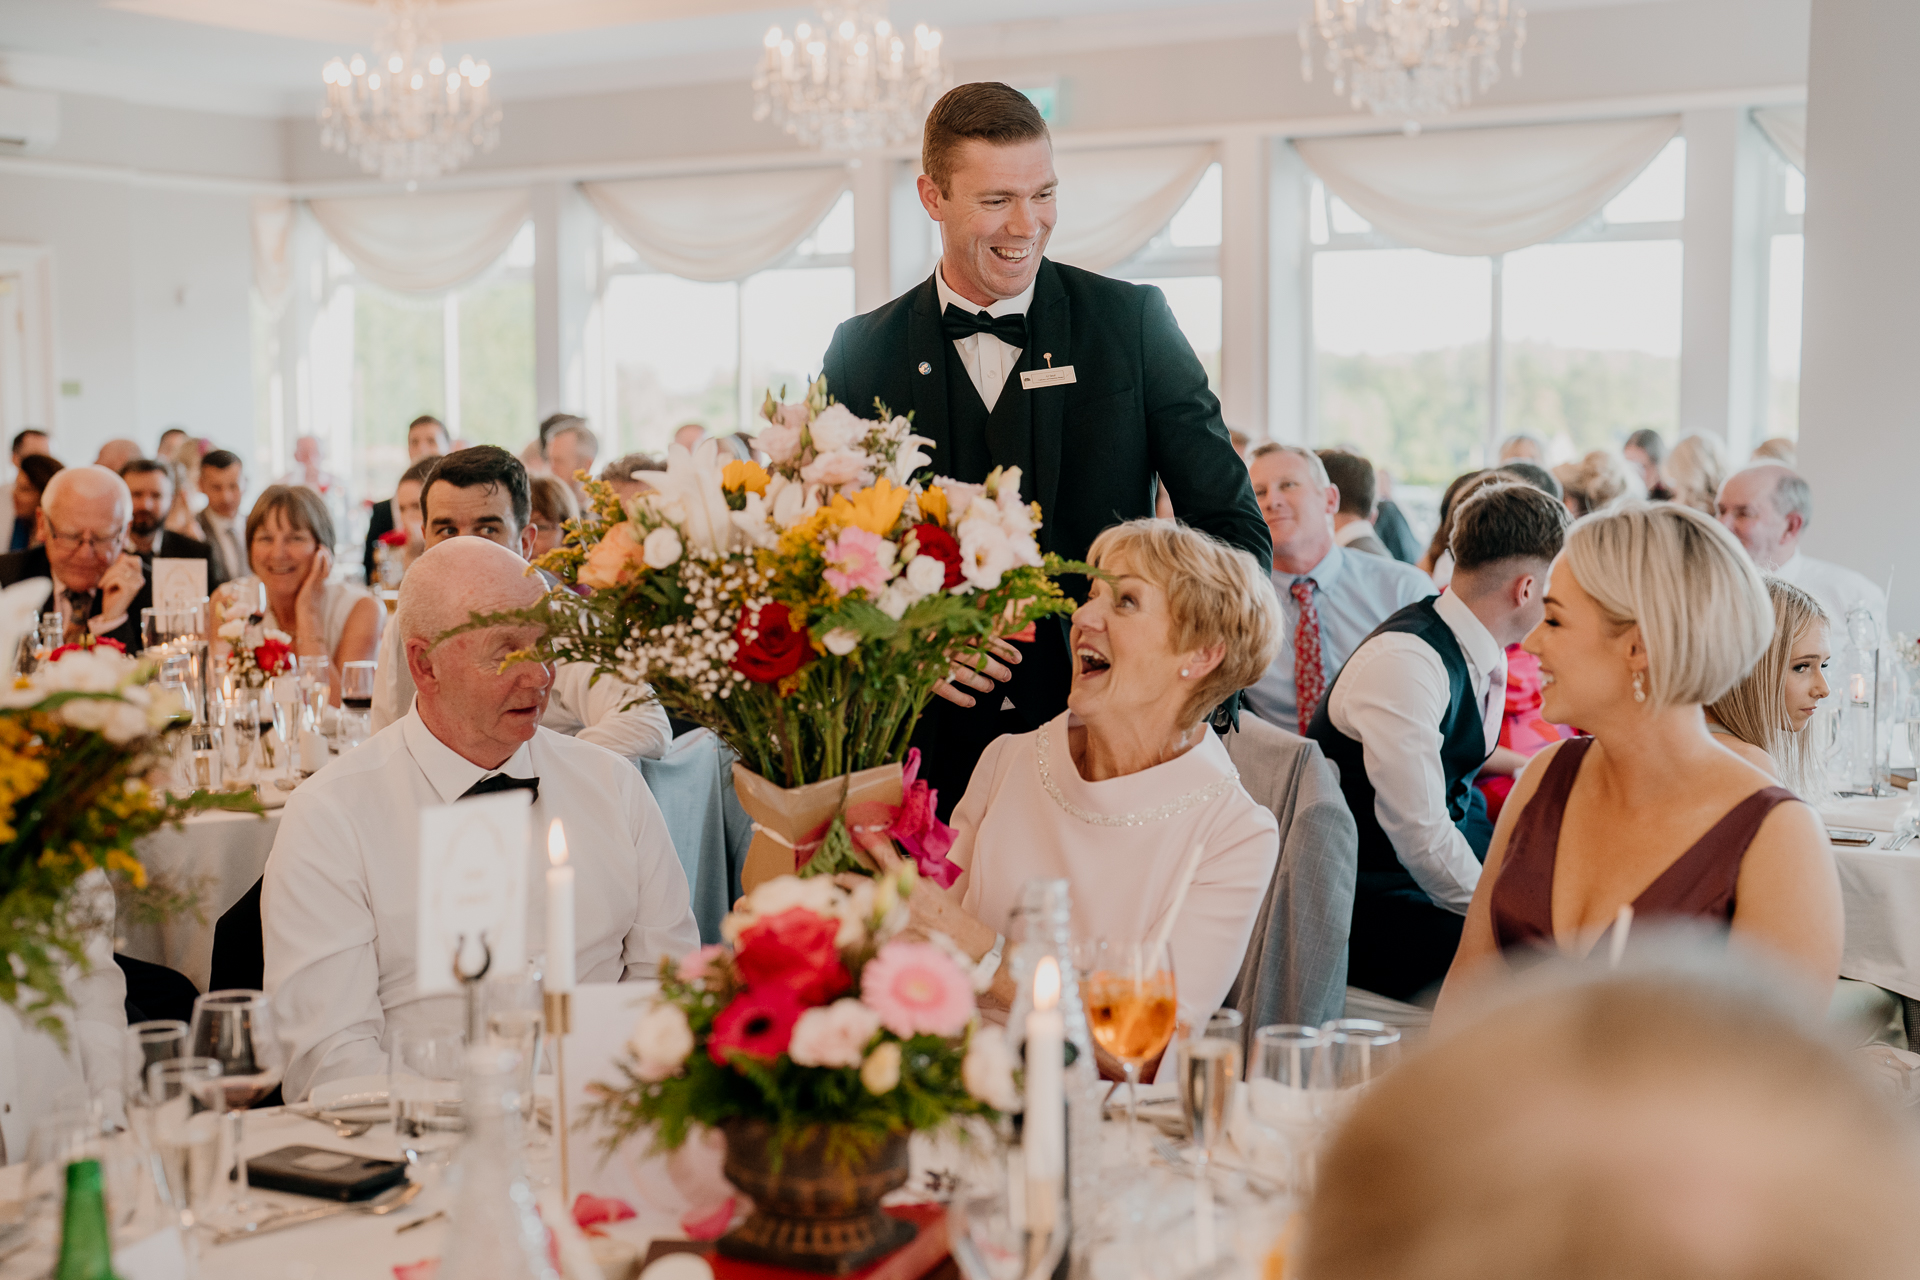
(216, 857)
(1880, 889)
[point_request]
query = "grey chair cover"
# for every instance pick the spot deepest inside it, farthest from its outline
(693, 785)
(1295, 968)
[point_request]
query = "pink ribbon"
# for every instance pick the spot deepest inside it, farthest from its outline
(914, 824)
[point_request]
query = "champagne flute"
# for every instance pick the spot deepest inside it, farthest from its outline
(1208, 1066)
(238, 1029)
(1131, 1007)
(188, 1105)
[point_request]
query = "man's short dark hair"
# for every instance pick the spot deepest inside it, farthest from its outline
(146, 466)
(484, 466)
(985, 110)
(220, 460)
(1534, 474)
(1648, 441)
(1353, 476)
(20, 437)
(552, 423)
(1507, 521)
(39, 469)
(419, 471)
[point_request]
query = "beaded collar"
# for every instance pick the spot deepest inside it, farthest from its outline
(1043, 752)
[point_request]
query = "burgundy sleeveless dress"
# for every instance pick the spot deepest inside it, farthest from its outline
(1699, 884)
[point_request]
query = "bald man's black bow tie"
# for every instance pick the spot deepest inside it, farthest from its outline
(960, 323)
(501, 782)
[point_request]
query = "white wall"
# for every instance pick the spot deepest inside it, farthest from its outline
(1858, 444)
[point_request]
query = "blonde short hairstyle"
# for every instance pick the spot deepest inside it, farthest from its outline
(1695, 470)
(1601, 479)
(1217, 594)
(1701, 606)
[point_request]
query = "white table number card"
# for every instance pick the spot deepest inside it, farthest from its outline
(178, 582)
(473, 884)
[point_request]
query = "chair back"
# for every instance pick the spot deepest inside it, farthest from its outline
(693, 785)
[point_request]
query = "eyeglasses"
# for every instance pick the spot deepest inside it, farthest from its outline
(109, 543)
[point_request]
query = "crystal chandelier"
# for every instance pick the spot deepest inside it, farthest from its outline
(1412, 58)
(404, 113)
(852, 83)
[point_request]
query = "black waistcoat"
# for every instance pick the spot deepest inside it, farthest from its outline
(981, 440)
(1463, 749)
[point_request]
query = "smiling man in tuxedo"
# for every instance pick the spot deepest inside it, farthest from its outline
(1006, 359)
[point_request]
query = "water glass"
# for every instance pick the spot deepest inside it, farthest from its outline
(313, 671)
(1279, 1094)
(189, 1105)
(516, 1020)
(53, 629)
(423, 1087)
(1353, 1053)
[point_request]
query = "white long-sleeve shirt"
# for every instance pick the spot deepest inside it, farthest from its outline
(595, 711)
(1391, 698)
(987, 360)
(342, 883)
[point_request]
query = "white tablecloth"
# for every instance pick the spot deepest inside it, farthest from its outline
(216, 856)
(1881, 892)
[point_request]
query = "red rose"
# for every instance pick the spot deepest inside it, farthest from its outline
(394, 538)
(88, 642)
(938, 543)
(273, 658)
(758, 1024)
(777, 648)
(793, 949)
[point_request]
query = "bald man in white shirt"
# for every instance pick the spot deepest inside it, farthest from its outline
(339, 899)
(1768, 507)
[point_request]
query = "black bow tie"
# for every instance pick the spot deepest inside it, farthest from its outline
(960, 323)
(501, 782)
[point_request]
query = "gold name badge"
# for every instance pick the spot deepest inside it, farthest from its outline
(1048, 377)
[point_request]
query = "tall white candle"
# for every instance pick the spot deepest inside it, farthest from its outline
(559, 975)
(1044, 1130)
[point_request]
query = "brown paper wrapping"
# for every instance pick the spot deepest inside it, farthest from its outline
(796, 813)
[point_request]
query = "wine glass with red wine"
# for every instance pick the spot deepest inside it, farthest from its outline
(238, 1030)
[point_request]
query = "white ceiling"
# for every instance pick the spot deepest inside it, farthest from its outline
(263, 57)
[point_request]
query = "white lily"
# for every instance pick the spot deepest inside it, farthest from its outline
(688, 493)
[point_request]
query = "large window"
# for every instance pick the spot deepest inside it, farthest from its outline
(466, 357)
(1785, 249)
(681, 351)
(1183, 261)
(1423, 361)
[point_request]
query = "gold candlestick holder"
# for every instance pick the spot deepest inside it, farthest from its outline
(559, 1012)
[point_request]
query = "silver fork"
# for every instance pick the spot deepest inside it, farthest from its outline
(387, 1202)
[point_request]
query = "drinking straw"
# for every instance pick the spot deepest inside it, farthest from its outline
(1165, 931)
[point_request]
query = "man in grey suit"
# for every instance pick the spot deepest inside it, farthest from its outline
(223, 480)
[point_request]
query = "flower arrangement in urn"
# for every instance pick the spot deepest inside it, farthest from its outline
(804, 612)
(816, 1039)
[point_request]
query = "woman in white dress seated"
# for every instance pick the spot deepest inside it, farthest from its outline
(290, 549)
(1114, 794)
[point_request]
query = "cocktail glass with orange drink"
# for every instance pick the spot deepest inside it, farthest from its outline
(1132, 1005)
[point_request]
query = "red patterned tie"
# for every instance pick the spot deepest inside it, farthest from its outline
(1309, 672)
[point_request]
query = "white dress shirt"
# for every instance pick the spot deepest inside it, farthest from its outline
(988, 360)
(338, 919)
(1391, 698)
(1839, 590)
(595, 711)
(37, 1076)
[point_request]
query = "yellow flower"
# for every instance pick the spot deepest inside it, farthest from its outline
(806, 535)
(121, 860)
(876, 508)
(741, 474)
(933, 504)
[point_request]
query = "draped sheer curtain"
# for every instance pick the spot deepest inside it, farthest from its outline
(1113, 201)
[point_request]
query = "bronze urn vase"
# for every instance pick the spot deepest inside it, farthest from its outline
(812, 1213)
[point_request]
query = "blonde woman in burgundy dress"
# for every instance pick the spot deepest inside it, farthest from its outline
(1652, 612)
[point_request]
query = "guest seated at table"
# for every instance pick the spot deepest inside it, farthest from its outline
(427, 439)
(1765, 718)
(619, 473)
(1331, 596)
(553, 505)
(483, 492)
(1644, 451)
(1352, 475)
(1695, 470)
(338, 902)
(1115, 794)
(30, 479)
(1597, 481)
(1437, 562)
(151, 484)
(1768, 507)
(1778, 449)
(290, 544)
(1660, 1126)
(1522, 448)
(406, 509)
(1652, 612)
(98, 585)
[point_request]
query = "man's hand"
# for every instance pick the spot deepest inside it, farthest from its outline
(973, 668)
(120, 584)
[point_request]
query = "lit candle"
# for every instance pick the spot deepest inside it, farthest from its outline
(1858, 687)
(1044, 1130)
(559, 976)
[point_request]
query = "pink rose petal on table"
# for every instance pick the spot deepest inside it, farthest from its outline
(708, 1226)
(592, 1210)
(425, 1269)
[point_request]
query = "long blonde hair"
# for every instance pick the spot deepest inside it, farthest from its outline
(1755, 710)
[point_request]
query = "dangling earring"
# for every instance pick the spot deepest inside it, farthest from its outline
(1639, 686)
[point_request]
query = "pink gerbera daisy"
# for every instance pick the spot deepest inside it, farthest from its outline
(915, 987)
(857, 561)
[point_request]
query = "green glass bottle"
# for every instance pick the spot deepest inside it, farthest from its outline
(86, 1247)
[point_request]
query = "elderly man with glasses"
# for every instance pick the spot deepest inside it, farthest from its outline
(98, 585)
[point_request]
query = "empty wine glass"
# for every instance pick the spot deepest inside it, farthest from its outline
(1131, 1006)
(239, 1031)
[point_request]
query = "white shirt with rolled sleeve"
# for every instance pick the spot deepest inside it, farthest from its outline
(338, 905)
(1391, 698)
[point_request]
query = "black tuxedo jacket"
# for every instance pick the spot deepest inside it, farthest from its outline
(18, 566)
(1139, 406)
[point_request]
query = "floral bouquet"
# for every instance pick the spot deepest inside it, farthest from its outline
(804, 613)
(254, 653)
(77, 740)
(815, 1036)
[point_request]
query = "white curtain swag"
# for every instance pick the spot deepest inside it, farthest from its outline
(424, 243)
(717, 226)
(1112, 202)
(1786, 129)
(1477, 192)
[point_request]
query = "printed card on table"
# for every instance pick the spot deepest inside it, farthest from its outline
(178, 582)
(473, 886)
